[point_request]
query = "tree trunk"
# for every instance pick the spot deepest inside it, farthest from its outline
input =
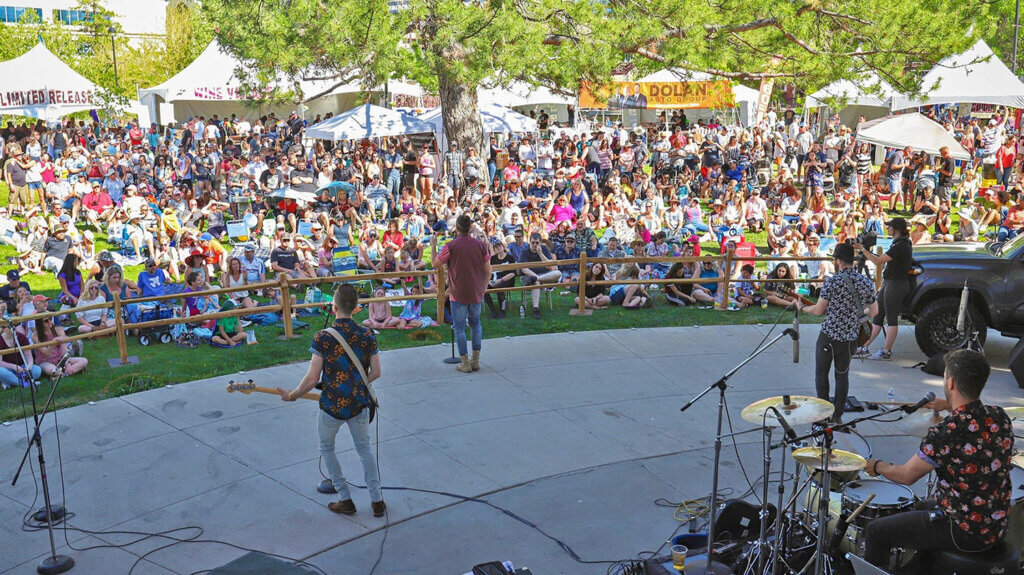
(462, 123)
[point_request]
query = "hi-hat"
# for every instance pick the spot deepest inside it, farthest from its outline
(838, 460)
(917, 424)
(801, 409)
(1014, 412)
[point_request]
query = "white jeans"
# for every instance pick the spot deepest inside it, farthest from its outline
(359, 426)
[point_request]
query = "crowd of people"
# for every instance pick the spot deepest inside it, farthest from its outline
(167, 197)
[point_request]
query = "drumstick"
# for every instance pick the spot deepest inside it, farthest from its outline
(843, 524)
(857, 511)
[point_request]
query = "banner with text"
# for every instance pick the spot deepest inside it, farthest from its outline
(45, 97)
(659, 95)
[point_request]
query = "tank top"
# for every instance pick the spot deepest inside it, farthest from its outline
(237, 283)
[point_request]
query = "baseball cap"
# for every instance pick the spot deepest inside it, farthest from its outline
(40, 298)
(844, 252)
(205, 237)
(64, 218)
(106, 257)
(13, 275)
(898, 224)
(250, 248)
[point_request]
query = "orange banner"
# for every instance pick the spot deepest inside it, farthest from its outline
(658, 95)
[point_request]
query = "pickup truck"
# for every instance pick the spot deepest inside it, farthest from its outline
(995, 274)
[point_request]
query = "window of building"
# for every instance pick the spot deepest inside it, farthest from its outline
(71, 17)
(14, 13)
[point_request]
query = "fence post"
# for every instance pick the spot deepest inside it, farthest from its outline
(286, 306)
(122, 343)
(878, 269)
(442, 295)
(581, 289)
(727, 272)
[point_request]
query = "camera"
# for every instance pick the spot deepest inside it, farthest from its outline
(866, 239)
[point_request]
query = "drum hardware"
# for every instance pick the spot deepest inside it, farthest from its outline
(844, 524)
(710, 565)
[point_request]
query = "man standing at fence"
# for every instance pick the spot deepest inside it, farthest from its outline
(346, 396)
(469, 270)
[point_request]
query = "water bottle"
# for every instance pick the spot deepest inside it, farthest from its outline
(892, 395)
(522, 312)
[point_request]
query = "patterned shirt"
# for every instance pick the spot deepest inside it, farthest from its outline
(841, 315)
(970, 450)
(344, 395)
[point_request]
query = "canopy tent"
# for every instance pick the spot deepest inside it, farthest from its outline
(976, 76)
(522, 96)
(368, 121)
(495, 118)
(914, 130)
(209, 86)
(870, 91)
(40, 85)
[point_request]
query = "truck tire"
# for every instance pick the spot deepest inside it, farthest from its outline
(935, 329)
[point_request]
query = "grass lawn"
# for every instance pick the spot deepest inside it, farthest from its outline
(169, 364)
(162, 364)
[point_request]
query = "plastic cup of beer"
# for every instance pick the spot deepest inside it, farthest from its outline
(679, 557)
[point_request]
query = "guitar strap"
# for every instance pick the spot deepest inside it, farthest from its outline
(354, 359)
(857, 301)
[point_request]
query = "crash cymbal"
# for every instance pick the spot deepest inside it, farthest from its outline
(918, 423)
(839, 460)
(1014, 412)
(800, 410)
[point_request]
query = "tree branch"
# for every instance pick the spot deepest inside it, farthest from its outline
(339, 83)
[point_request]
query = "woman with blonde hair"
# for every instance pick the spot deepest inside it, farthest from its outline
(630, 296)
(95, 319)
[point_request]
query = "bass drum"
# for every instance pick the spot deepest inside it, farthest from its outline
(847, 441)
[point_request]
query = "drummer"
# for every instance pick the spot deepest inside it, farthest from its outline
(970, 453)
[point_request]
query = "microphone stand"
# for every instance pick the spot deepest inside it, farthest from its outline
(721, 386)
(54, 563)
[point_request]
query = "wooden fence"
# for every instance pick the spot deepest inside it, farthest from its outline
(287, 287)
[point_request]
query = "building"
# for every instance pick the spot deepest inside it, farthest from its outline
(138, 18)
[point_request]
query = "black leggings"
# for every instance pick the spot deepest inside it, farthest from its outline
(926, 528)
(826, 352)
(890, 300)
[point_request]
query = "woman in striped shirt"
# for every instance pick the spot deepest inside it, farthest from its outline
(863, 158)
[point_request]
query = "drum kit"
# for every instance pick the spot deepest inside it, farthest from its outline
(832, 520)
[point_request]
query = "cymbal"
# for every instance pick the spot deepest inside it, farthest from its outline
(1014, 412)
(918, 423)
(839, 460)
(801, 410)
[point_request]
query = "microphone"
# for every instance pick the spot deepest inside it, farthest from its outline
(790, 434)
(63, 362)
(920, 403)
(796, 334)
(961, 314)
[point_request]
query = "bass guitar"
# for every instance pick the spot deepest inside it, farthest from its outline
(249, 387)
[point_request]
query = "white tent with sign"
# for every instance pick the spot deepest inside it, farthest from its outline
(914, 130)
(745, 97)
(976, 76)
(40, 85)
(495, 118)
(210, 86)
(523, 97)
(368, 121)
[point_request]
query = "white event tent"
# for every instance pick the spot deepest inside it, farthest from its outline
(368, 121)
(870, 97)
(914, 130)
(40, 85)
(496, 119)
(524, 97)
(976, 76)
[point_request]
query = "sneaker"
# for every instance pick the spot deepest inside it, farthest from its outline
(345, 507)
(862, 352)
(881, 355)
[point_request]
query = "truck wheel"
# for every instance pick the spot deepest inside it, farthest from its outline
(935, 329)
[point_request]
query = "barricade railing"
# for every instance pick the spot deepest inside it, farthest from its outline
(286, 286)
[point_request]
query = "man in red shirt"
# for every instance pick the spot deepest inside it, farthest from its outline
(469, 270)
(1005, 157)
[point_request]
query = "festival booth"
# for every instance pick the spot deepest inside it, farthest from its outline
(870, 98)
(209, 85)
(695, 94)
(368, 121)
(976, 76)
(914, 130)
(40, 85)
(495, 118)
(525, 98)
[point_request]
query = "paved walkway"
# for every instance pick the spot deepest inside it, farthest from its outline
(578, 433)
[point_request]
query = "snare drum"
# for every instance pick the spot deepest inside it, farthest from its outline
(890, 499)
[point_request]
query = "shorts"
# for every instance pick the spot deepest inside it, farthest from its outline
(944, 193)
(618, 296)
(35, 185)
(69, 203)
(20, 195)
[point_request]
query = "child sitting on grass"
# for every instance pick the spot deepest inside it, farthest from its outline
(411, 317)
(229, 332)
(380, 313)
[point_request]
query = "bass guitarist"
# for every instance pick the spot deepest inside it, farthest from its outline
(844, 297)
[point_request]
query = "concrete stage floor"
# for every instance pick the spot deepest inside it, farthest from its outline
(577, 433)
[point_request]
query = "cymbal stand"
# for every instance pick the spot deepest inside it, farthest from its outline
(721, 386)
(823, 502)
(797, 488)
